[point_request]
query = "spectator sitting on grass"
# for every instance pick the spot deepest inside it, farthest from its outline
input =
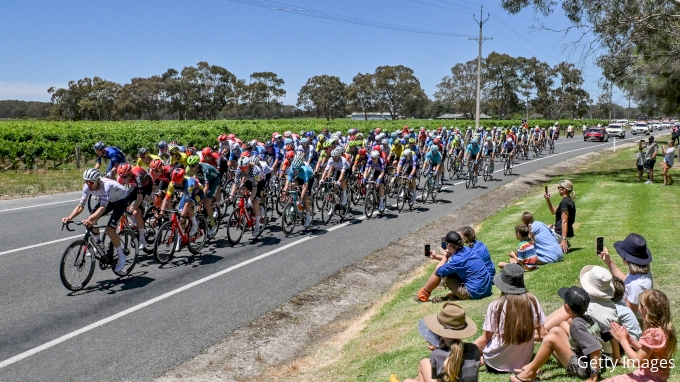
(507, 342)
(470, 238)
(451, 360)
(636, 256)
(597, 281)
(526, 254)
(657, 343)
(577, 348)
(547, 249)
(464, 273)
(626, 316)
(565, 214)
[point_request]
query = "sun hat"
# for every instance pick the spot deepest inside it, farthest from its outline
(451, 322)
(634, 249)
(577, 299)
(511, 279)
(597, 281)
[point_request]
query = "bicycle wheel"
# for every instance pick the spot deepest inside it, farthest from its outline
(486, 172)
(289, 218)
(268, 210)
(280, 203)
(166, 241)
(425, 192)
(356, 192)
(327, 208)
(236, 226)
(129, 243)
(197, 242)
(218, 220)
(369, 203)
(450, 167)
(150, 230)
(433, 189)
(320, 197)
(468, 178)
(77, 266)
(509, 167)
(506, 166)
(402, 194)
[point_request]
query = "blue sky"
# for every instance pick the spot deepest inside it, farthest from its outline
(48, 43)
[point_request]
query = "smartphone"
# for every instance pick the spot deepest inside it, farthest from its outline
(546, 189)
(599, 244)
(427, 250)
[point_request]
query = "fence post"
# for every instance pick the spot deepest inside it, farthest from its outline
(77, 157)
(614, 144)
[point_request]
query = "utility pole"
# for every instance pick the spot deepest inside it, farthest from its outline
(480, 40)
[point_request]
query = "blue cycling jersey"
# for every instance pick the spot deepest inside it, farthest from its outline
(114, 155)
(378, 164)
(473, 149)
(434, 157)
(305, 173)
(404, 160)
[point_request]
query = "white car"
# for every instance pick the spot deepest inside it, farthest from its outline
(640, 128)
(666, 124)
(656, 125)
(616, 130)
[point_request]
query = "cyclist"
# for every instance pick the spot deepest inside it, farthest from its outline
(360, 161)
(304, 177)
(509, 148)
(342, 170)
(216, 160)
(139, 185)
(163, 152)
(248, 178)
(408, 166)
(433, 159)
(472, 154)
(160, 174)
(192, 193)
(113, 154)
(376, 165)
(177, 158)
(210, 178)
(310, 155)
(234, 154)
(488, 151)
(396, 151)
(113, 199)
(144, 158)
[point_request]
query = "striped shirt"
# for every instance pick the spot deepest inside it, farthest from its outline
(526, 254)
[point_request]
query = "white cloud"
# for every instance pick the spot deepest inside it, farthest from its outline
(25, 91)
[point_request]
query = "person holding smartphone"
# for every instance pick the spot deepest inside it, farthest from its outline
(462, 271)
(565, 214)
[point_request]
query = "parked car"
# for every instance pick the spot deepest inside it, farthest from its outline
(656, 125)
(640, 128)
(666, 124)
(616, 130)
(596, 134)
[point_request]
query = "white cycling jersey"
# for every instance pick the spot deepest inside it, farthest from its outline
(342, 164)
(109, 191)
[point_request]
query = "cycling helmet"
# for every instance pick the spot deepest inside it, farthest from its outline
(376, 147)
(385, 141)
(253, 142)
(222, 138)
(162, 145)
(437, 141)
(297, 163)
(235, 147)
(378, 130)
(408, 153)
(91, 175)
(288, 141)
(247, 146)
(488, 139)
(244, 161)
(192, 160)
(206, 152)
(278, 136)
(99, 146)
(473, 141)
(290, 154)
(362, 151)
(142, 151)
(177, 175)
(255, 160)
(360, 135)
(411, 140)
(509, 139)
(190, 151)
(394, 135)
(327, 144)
(269, 144)
(231, 137)
(174, 150)
(156, 164)
(336, 152)
(304, 141)
(287, 134)
(321, 138)
(434, 148)
(375, 154)
(124, 169)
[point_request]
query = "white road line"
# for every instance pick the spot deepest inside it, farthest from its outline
(39, 245)
(39, 205)
(135, 308)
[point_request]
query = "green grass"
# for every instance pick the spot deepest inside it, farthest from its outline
(33, 183)
(609, 202)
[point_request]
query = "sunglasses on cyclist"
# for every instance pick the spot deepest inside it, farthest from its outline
(91, 182)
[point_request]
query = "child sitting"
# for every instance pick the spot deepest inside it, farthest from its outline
(578, 350)
(526, 254)
(626, 316)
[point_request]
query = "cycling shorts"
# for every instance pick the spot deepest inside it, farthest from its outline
(488, 152)
(212, 191)
(310, 183)
(116, 209)
(195, 198)
(348, 174)
(374, 175)
(144, 191)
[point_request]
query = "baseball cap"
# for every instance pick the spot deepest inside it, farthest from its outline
(576, 298)
(452, 238)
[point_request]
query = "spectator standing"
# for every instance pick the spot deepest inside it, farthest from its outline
(565, 214)
(478, 248)
(463, 273)
(547, 248)
(650, 159)
(452, 360)
(668, 158)
(507, 342)
(640, 160)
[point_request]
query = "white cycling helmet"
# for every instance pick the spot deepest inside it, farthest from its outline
(91, 175)
(244, 161)
(375, 154)
(255, 160)
(408, 153)
(336, 152)
(385, 141)
(509, 139)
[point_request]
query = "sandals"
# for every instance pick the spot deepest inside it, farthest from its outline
(515, 378)
(448, 297)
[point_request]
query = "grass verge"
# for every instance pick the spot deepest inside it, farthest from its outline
(610, 203)
(18, 184)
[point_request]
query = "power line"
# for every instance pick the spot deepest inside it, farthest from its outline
(282, 7)
(438, 6)
(524, 38)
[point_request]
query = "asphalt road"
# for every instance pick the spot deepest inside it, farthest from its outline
(141, 327)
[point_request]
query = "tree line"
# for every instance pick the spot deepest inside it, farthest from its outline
(15, 109)
(511, 88)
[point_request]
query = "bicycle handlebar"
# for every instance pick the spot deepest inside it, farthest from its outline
(68, 226)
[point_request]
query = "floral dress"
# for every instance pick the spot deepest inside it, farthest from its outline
(654, 339)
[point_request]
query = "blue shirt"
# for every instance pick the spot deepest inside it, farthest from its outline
(547, 248)
(471, 269)
(482, 251)
(473, 149)
(115, 157)
(433, 157)
(305, 173)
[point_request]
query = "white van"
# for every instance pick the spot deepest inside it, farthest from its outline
(622, 122)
